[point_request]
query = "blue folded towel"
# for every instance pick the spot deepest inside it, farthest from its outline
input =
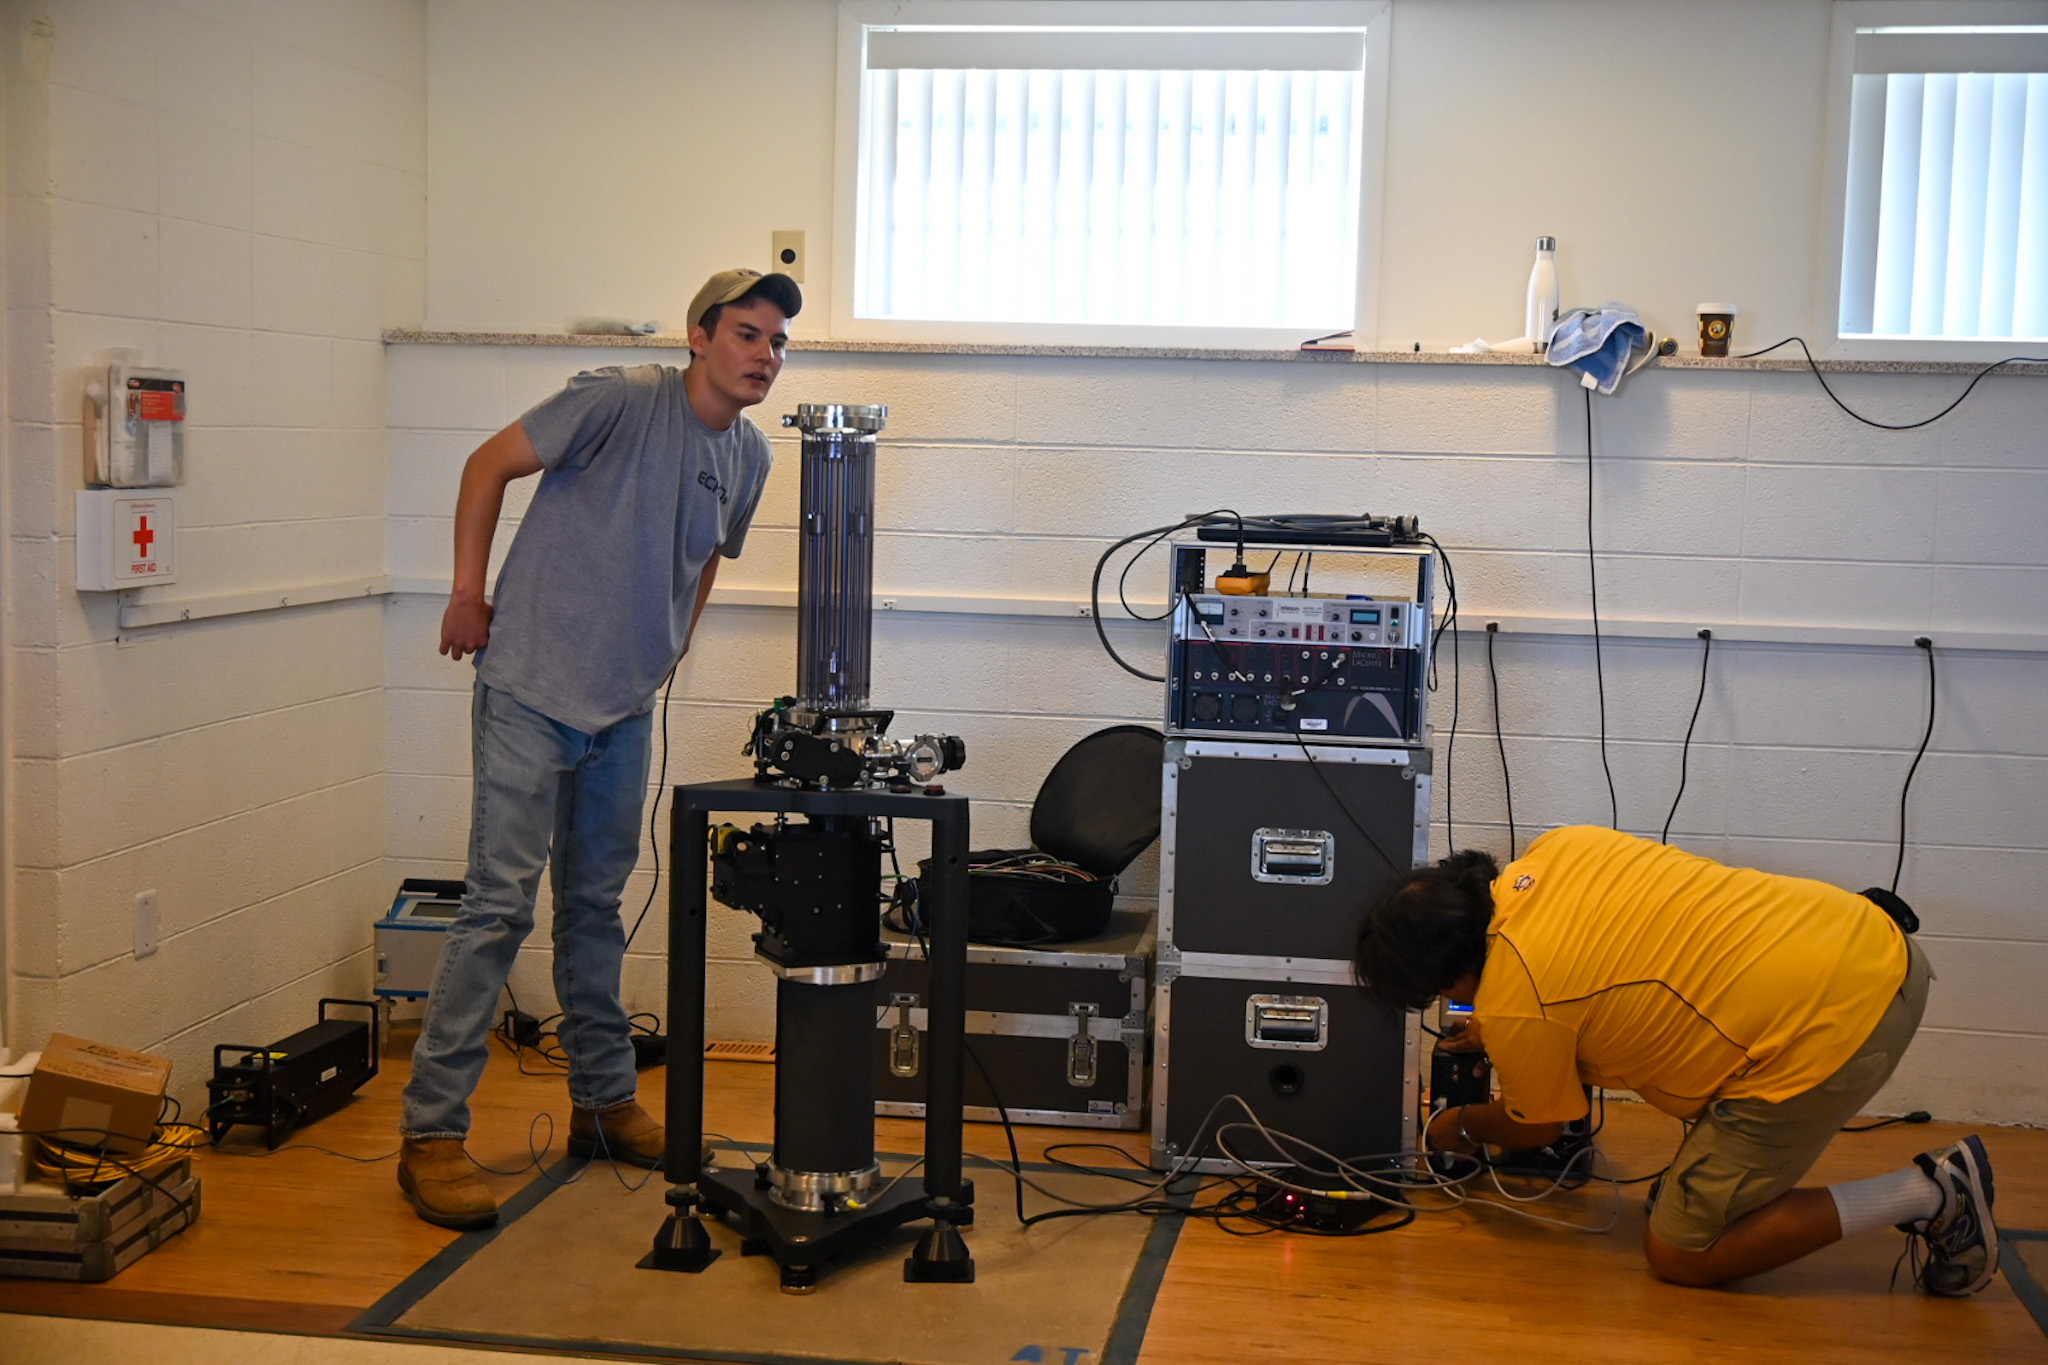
(1598, 342)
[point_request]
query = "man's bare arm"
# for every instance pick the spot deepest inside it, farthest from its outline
(509, 455)
(1462, 1128)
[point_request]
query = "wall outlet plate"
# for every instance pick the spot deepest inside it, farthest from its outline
(786, 254)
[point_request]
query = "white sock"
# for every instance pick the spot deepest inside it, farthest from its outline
(1904, 1196)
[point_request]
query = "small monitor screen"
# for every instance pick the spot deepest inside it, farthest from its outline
(436, 909)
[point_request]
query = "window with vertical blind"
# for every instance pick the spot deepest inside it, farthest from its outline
(1945, 216)
(1090, 172)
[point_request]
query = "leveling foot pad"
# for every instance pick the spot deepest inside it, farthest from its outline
(558, 1276)
(805, 1244)
(681, 1243)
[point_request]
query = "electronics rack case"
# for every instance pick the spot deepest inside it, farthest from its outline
(1334, 683)
(1061, 1028)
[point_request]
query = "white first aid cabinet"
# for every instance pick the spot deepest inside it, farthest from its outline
(127, 538)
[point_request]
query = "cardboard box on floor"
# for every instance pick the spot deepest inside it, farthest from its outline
(96, 1094)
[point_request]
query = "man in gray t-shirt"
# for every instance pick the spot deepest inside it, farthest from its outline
(649, 475)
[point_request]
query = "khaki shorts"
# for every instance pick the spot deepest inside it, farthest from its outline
(1742, 1154)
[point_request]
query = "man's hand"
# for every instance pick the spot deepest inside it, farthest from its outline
(1464, 1128)
(465, 627)
(1462, 1037)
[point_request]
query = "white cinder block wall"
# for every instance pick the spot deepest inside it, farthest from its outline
(238, 191)
(1745, 502)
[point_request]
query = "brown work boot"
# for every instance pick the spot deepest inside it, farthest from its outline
(624, 1132)
(440, 1180)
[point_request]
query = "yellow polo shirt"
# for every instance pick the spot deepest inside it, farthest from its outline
(1622, 963)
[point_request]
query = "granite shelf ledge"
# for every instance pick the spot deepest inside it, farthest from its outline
(675, 341)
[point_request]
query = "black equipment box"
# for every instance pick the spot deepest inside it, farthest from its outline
(295, 1080)
(1274, 850)
(1307, 1051)
(1056, 1033)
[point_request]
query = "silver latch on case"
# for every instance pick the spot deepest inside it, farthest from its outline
(903, 1037)
(1081, 1052)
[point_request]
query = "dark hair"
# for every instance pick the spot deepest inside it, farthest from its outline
(1428, 931)
(709, 322)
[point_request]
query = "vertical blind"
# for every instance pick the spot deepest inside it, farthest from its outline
(1197, 196)
(1946, 228)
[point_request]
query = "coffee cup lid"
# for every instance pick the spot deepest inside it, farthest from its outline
(1727, 308)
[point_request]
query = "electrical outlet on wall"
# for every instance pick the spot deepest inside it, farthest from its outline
(786, 251)
(145, 923)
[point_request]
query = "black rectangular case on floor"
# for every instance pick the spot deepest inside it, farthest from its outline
(1061, 1030)
(1310, 1054)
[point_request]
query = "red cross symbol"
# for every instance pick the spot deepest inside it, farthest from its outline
(143, 537)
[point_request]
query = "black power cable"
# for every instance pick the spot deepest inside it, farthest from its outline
(1593, 582)
(1449, 622)
(654, 807)
(1157, 533)
(1899, 866)
(1820, 378)
(1685, 749)
(1507, 782)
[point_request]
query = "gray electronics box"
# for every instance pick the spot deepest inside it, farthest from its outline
(1309, 1053)
(410, 935)
(1061, 1029)
(1274, 850)
(47, 1233)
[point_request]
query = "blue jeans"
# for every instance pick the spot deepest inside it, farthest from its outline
(545, 796)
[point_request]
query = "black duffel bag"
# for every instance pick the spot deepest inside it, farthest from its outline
(1095, 813)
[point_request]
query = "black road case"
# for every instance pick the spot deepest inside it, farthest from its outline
(1309, 1053)
(1270, 853)
(1061, 1030)
(1274, 850)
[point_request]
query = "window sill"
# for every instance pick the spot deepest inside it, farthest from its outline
(672, 341)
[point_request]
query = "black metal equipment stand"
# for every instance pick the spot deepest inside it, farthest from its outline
(802, 1240)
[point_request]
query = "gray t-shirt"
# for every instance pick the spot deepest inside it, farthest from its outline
(593, 605)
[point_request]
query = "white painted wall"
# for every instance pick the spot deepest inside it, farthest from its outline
(238, 190)
(1735, 500)
(1674, 150)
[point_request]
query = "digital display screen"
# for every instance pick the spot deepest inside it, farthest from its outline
(1365, 616)
(436, 909)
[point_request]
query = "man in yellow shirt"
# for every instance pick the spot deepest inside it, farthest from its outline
(1764, 1011)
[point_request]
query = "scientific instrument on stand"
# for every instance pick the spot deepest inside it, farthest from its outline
(835, 783)
(828, 736)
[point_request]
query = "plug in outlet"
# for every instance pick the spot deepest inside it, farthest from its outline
(787, 252)
(145, 923)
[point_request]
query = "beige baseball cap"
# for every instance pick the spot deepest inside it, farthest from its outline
(728, 285)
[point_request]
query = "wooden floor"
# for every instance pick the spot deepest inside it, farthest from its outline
(304, 1240)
